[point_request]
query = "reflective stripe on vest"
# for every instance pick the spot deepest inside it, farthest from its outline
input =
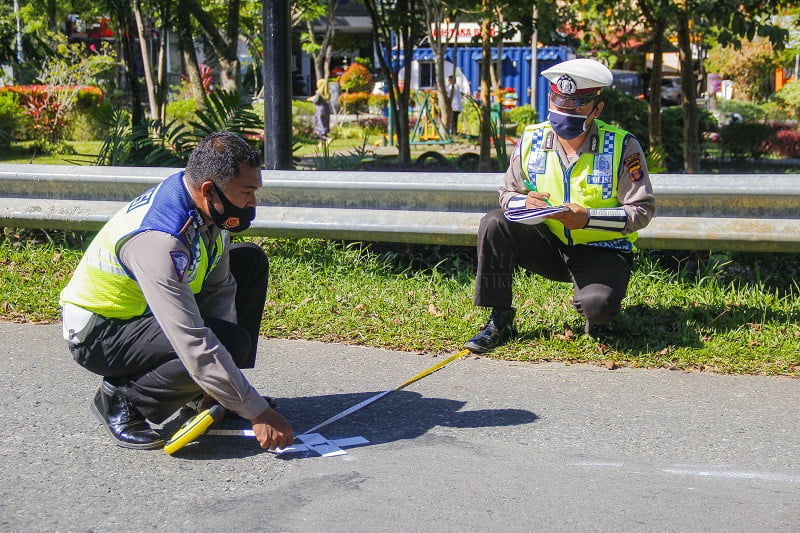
(592, 181)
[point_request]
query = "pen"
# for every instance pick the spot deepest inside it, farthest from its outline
(530, 187)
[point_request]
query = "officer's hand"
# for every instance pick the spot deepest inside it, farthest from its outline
(537, 199)
(576, 218)
(272, 430)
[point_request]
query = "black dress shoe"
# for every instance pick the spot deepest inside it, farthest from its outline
(498, 330)
(124, 422)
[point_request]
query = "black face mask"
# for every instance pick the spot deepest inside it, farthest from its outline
(232, 218)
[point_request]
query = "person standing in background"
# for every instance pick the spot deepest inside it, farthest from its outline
(322, 111)
(455, 103)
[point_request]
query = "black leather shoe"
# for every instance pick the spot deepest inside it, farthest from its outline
(498, 330)
(124, 422)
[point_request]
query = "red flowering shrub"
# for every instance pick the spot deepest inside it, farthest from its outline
(375, 124)
(786, 143)
(47, 121)
(48, 107)
(86, 96)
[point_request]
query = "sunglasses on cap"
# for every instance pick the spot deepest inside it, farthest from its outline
(572, 102)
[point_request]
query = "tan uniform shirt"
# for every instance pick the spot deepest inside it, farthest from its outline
(179, 313)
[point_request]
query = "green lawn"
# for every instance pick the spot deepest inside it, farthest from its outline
(725, 313)
(23, 152)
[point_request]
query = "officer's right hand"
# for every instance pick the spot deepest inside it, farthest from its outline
(537, 199)
(272, 430)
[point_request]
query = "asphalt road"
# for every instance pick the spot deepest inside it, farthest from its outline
(479, 445)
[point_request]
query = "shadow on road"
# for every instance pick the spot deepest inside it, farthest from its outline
(402, 415)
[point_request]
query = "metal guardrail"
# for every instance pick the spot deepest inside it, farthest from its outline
(707, 212)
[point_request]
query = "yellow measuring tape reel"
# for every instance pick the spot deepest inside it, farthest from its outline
(194, 428)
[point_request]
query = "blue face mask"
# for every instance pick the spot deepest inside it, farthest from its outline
(566, 125)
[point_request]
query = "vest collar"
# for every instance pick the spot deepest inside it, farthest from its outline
(590, 144)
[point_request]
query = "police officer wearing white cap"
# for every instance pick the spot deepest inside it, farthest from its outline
(598, 172)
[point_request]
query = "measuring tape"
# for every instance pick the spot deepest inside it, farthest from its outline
(378, 396)
(199, 424)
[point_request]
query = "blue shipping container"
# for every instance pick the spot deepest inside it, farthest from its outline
(516, 68)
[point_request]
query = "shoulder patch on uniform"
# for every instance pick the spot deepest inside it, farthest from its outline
(517, 151)
(634, 165)
(180, 261)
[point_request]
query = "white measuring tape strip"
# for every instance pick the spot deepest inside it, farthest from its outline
(311, 442)
(378, 396)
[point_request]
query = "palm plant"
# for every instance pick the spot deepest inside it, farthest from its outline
(155, 142)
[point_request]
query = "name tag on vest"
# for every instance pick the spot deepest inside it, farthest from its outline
(537, 162)
(601, 174)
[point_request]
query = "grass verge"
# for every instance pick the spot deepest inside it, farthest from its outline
(715, 312)
(25, 153)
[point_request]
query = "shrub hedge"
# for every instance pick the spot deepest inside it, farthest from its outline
(746, 139)
(352, 103)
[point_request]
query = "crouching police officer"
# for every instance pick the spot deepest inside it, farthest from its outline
(599, 173)
(166, 309)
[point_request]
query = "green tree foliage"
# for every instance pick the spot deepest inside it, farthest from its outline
(11, 116)
(318, 46)
(626, 112)
(789, 97)
(751, 67)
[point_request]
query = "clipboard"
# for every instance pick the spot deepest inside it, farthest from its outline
(533, 215)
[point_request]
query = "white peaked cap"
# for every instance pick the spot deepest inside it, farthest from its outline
(578, 77)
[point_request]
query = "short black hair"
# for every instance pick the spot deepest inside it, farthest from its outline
(217, 159)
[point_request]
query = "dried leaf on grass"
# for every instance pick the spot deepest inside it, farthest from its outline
(432, 310)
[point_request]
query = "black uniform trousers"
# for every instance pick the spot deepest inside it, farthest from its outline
(136, 356)
(599, 276)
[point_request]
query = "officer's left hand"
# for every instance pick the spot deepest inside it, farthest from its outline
(576, 218)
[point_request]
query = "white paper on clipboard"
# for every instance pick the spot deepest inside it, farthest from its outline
(533, 215)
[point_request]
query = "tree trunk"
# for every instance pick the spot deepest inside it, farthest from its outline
(162, 83)
(398, 99)
(189, 55)
(404, 144)
(124, 18)
(434, 19)
(322, 57)
(656, 76)
(499, 65)
(231, 66)
(691, 123)
(145, 54)
(51, 8)
(225, 45)
(485, 160)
